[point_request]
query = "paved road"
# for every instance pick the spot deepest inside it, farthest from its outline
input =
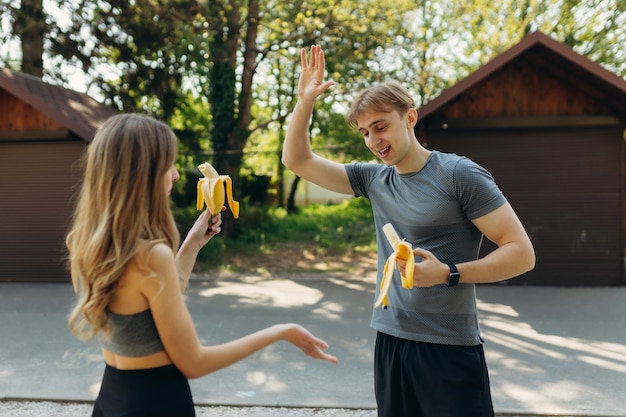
(550, 350)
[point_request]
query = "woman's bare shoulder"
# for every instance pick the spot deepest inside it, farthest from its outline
(162, 275)
(151, 254)
(143, 277)
(152, 260)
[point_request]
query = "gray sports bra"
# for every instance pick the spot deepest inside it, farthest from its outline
(133, 335)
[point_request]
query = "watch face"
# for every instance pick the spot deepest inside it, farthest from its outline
(453, 279)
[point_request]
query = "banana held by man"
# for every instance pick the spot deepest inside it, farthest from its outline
(401, 250)
(213, 189)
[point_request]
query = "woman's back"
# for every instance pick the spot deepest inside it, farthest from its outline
(135, 342)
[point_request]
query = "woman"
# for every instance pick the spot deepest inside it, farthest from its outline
(130, 277)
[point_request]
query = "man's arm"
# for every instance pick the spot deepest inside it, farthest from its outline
(514, 255)
(297, 153)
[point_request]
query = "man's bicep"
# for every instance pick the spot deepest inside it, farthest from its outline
(501, 226)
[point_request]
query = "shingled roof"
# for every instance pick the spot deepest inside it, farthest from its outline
(550, 55)
(76, 111)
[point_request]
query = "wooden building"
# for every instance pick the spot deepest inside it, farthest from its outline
(549, 124)
(44, 129)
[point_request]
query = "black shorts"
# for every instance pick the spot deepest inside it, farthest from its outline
(416, 379)
(154, 392)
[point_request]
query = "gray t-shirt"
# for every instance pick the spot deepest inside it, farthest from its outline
(432, 209)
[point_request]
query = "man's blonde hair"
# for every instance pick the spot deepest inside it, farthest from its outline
(385, 97)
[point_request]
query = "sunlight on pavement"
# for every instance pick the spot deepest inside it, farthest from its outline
(518, 331)
(515, 342)
(276, 293)
(610, 365)
(329, 310)
(549, 396)
(6, 373)
(565, 370)
(265, 381)
(501, 309)
(363, 285)
(94, 389)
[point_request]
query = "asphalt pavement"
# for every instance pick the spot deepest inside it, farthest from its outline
(550, 350)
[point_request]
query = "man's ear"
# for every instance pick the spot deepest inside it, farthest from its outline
(411, 118)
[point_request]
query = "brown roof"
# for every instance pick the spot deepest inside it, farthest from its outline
(76, 111)
(550, 55)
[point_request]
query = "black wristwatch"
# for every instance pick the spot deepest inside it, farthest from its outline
(453, 278)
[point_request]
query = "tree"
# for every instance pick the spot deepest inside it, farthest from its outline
(595, 29)
(355, 32)
(138, 53)
(29, 26)
(248, 32)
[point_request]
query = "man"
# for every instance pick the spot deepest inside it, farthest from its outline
(429, 359)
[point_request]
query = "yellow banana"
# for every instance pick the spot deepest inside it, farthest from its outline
(211, 191)
(401, 250)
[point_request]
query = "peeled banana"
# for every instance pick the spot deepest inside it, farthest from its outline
(401, 250)
(211, 191)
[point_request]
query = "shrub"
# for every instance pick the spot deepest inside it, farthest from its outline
(334, 228)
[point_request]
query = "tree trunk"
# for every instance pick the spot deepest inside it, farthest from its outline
(30, 25)
(291, 201)
(231, 112)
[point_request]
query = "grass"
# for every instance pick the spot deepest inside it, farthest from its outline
(336, 229)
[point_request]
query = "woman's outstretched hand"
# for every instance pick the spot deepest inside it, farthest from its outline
(309, 344)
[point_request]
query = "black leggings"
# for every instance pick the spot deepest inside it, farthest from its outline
(154, 392)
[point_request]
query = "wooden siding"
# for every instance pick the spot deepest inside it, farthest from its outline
(525, 89)
(18, 116)
(38, 187)
(76, 112)
(565, 186)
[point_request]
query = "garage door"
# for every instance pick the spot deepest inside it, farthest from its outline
(565, 186)
(37, 188)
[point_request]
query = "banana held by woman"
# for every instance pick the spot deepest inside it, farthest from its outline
(213, 190)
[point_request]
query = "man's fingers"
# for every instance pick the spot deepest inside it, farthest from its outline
(303, 60)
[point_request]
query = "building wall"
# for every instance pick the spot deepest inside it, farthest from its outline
(565, 185)
(39, 183)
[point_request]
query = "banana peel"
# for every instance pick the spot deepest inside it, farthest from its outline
(213, 190)
(401, 250)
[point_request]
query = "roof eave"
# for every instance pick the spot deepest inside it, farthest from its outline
(54, 112)
(509, 55)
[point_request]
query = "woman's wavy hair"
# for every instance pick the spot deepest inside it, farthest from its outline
(385, 97)
(122, 202)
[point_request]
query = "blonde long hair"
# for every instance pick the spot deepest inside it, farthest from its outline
(122, 202)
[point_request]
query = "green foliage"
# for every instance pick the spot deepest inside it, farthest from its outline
(139, 54)
(334, 228)
(224, 74)
(335, 140)
(595, 29)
